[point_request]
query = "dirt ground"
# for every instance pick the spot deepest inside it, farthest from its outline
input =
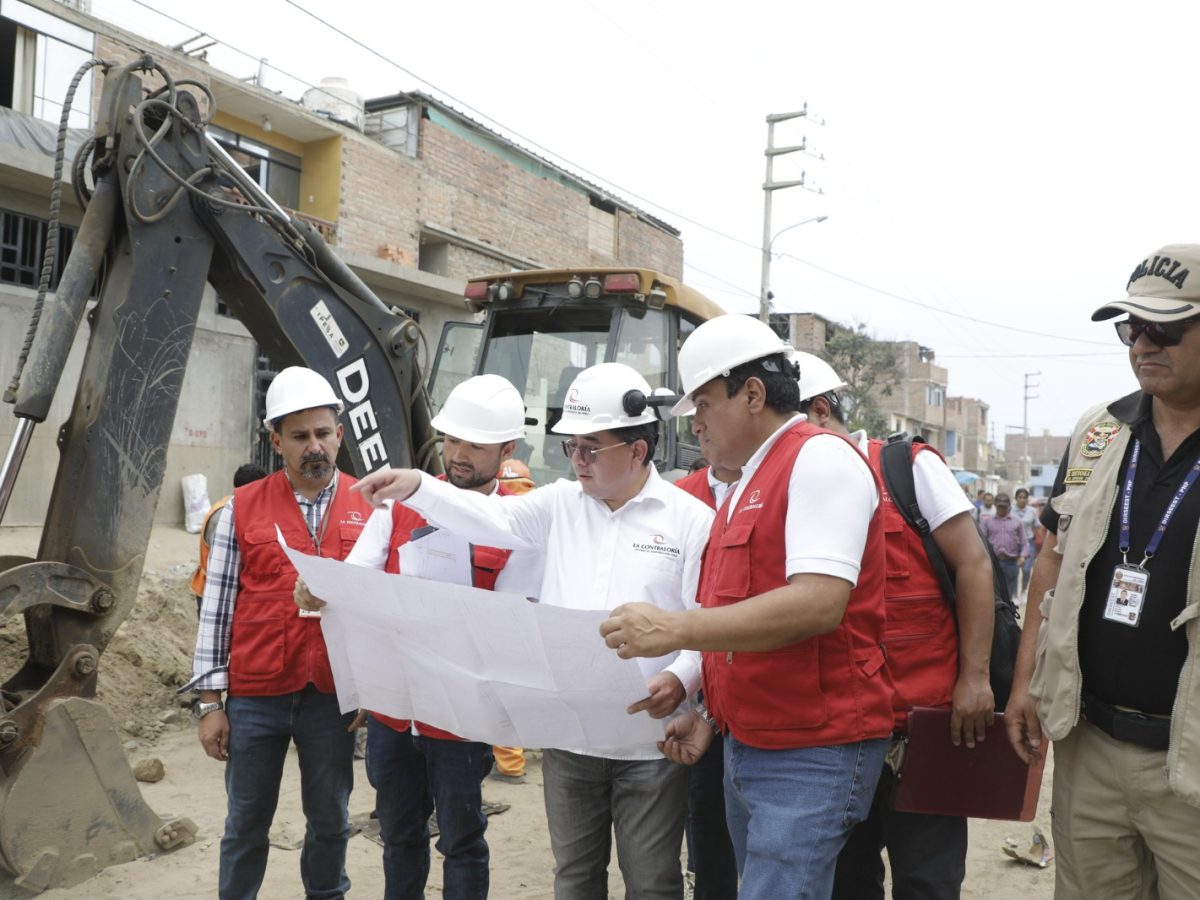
(151, 656)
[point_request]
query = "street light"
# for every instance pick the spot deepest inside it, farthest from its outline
(770, 185)
(764, 308)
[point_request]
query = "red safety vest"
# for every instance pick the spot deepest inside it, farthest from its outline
(273, 650)
(922, 635)
(825, 690)
(486, 563)
(697, 485)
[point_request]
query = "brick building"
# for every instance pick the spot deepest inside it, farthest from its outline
(413, 195)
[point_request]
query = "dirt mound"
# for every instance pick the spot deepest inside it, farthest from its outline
(148, 659)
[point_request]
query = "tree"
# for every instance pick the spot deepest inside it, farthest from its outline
(871, 372)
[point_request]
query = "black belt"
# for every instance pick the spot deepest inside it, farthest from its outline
(1151, 732)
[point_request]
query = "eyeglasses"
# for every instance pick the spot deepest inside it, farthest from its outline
(587, 455)
(1160, 334)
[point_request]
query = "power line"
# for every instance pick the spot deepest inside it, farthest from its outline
(938, 309)
(466, 106)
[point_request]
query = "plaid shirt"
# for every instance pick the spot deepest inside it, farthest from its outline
(210, 664)
(1006, 535)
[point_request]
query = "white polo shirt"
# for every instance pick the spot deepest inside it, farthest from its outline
(831, 498)
(648, 550)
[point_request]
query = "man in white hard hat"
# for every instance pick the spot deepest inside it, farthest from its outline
(937, 657)
(271, 661)
(792, 619)
(416, 767)
(619, 532)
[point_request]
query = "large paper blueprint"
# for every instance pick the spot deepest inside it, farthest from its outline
(484, 665)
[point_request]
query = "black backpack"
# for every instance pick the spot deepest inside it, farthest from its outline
(896, 465)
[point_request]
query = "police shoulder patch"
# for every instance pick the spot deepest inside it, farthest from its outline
(1098, 437)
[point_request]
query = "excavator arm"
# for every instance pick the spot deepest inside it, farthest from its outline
(168, 213)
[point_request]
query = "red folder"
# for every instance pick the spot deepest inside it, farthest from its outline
(988, 781)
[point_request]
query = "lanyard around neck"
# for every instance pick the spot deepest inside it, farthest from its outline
(1127, 504)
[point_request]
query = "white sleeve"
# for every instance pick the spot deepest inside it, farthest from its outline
(687, 665)
(831, 498)
(371, 549)
(939, 496)
(513, 522)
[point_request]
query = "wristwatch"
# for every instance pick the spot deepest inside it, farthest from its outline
(200, 710)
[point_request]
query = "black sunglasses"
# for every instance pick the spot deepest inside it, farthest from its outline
(1160, 334)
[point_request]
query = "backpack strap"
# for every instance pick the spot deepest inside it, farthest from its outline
(896, 465)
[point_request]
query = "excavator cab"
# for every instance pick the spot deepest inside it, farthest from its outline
(543, 327)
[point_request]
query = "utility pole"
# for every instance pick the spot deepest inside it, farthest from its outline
(1025, 462)
(769, 187)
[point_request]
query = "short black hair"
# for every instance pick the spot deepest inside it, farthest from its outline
(248, 472)
(778, 375)
(1021, 491)
(835, 405)
(647, 432)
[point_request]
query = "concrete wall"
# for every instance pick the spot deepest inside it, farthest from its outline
(212, 430)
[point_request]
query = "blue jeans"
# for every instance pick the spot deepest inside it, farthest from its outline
(789, 812)
(1008, 567)
(710, 852)
(642, 801)
(412, 776)
(260, 730)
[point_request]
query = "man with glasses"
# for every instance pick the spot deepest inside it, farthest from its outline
(617, 533)
(1114, 684)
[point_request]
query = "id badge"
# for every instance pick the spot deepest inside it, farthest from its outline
(1127, 595)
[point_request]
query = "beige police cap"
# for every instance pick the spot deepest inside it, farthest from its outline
(1164, 287)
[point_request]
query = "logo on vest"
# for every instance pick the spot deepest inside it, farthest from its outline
(356, 518)
(752, 502)
(658, 545)
(1077, 476)
(1098, 437)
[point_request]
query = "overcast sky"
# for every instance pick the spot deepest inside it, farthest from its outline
(1006, 163)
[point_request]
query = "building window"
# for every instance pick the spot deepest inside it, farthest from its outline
(275, 171)
(23, 246)
(934, 395)
(44, 53)
(396, 128)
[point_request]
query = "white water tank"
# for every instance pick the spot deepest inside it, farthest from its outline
(336, 99)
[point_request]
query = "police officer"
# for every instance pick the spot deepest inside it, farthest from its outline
(1115, 685)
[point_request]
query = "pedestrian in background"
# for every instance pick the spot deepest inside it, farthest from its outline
(1006, 534)
(1027, 515)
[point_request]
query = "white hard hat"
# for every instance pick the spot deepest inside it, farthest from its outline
(816, 375)
(719, 345)
(597, 401)
(297, 388)
(485, 409)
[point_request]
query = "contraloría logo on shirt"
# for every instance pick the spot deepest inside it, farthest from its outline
(659, 545)
(355, 518)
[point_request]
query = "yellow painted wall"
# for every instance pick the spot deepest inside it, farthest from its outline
(321, 178)
(320, 168)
